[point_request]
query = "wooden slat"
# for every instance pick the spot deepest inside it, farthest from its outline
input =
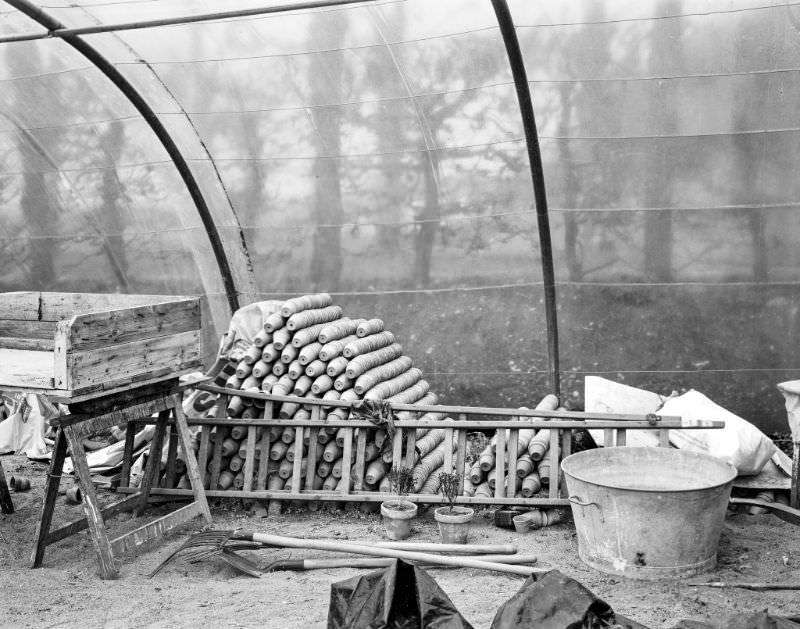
(622, 437)
(172, 457)
(397, 445)
(216, 459)
(554, 471)
(26, 368)
(16, 328)
(311, 465)
(56, 306)
(250, 458)
(361, 446)
(347, 455)
(448, 450)
(411, 444)
(202, 453)
(97, 528)
(461, 456)
(297, 464)
(36, 345)
(81, 525)
(152, 468)
(110, 365)
(113, 327)
(608, 437)
(24, 305)
(500, 464)
(49, 501)
(192, 471)
(155, 529)
(513, 442)
(663, 438)
(127, 455)
(566, 450)
(84, 427)
(336, 496)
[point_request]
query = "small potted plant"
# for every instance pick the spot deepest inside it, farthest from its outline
(453, 521)
(398, 514)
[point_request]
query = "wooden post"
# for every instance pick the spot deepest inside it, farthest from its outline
(50, 495)
(6, 504)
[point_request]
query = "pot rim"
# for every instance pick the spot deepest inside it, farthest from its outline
(460, 514)
(390, 511)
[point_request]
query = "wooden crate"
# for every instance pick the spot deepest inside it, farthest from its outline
(76, 346)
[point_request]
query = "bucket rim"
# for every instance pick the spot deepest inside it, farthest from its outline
(697, 455)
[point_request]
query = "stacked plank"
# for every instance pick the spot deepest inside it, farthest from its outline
(309, 349)
(532, 469)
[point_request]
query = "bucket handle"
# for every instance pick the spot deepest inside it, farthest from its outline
(577, 501)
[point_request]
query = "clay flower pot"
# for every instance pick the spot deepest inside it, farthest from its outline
(454, 524)
(397, 518)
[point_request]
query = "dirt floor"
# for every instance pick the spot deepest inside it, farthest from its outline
(67, 593)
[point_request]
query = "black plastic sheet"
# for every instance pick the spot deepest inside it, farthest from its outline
(556, 601)
(401, 596)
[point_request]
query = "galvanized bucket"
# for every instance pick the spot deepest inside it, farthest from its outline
(648, 513)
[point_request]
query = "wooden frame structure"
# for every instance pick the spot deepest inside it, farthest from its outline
(164, 399)
(354, 439)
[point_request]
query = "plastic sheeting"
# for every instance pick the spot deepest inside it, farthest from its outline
(402, 596)
(376, 152)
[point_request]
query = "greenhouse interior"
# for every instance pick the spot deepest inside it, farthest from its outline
(527, 194)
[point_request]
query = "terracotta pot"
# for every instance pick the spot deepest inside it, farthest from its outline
(397, 518)
(454, 524)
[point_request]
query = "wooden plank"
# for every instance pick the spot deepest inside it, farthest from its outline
(202, 453)
(347, 455)
(24, 305)
(448, 450)
(36, 345)
(461, 457)
(26, 368)
(56, 306)
(250, 458)
(17, 328)
(297, 464)
(191, 463)
(335, 496)
(84, 427)
(263, 461)
(152, 469)
(111, 365)
(311, 466)
(103, 329)
(500, 464)
(513, 443)
(397, 445)
(361, 448)
(97, 527)
(411, 444)
(49, 501)
(622, 437)
(127, 455)
(172, 457)
(77, 526)
(663, 438)
(216, 459)
(566, 450)
(155, 529)
(554, 470)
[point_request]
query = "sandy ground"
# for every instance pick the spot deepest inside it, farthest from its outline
(67, 593)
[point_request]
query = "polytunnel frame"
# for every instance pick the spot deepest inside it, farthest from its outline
(516, 62)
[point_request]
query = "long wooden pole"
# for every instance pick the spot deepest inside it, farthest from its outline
(360, 549)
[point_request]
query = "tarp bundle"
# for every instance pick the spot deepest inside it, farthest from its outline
(555, 601)
(401, 596)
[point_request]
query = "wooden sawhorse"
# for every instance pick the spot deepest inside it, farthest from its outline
(91, 416)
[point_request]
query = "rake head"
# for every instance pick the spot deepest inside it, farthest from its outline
(200, 546)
